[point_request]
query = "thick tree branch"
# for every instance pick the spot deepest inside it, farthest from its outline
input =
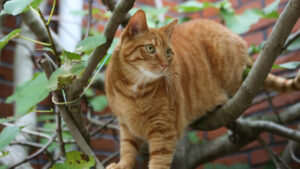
(110, 29)
(111, 4)
(189, 155)
(69, 119)
(234, 107)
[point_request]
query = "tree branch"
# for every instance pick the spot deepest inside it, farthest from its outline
(260, 125)
(110, 29)
(36, 153)
(189, 155)
(69, 119)
(37, 27)
(235, 106)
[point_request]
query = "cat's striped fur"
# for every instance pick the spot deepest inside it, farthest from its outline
(156, 93)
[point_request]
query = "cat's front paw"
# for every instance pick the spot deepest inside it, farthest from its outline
(114, 166)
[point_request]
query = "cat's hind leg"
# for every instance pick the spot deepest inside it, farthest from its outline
(129, 148)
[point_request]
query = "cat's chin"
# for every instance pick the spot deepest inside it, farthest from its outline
(151, 75)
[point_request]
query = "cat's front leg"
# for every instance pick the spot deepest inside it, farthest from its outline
(129, 148)
(162, 143)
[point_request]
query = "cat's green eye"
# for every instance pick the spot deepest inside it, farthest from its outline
(150, 48)
(169, 53)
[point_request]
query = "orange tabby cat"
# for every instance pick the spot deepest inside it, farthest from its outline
(160, 80)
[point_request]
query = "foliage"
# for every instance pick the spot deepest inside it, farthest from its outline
(237, 23)
(15, 7)
(193, 137)
(90, 43)
(76, 160)
(11, 35)
(99, 103)
(30, 93)
(7, 135)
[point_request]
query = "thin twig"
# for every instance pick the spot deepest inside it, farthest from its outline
(273, 107)
(59, 134)
(27, 143)
(28, 131)
(109, 158)
(36, 153)
(275, 157)
(291, 39)
(102, 127)
(100, 123)
(90, 18)
(58, 60)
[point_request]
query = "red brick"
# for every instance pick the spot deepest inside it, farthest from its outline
(5, 90)
(147, 2)
(208, 13)
(7, 56)
(232, 159)
(104, 145)
(296, 27)
(257, 107)
(278, 139)
(6, 110)
(254, 38)
(268, 2)
(216, 133)
(200, 167)
(6, 73)
(10, 21)
(254, 144)
(259, 156)
(262, 23)
(286, 99)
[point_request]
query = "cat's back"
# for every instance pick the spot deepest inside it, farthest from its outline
(210, 60)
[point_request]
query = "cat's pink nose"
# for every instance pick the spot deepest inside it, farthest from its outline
(164, 65)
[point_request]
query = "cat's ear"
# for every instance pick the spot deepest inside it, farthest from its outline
(137, 24)
(168, 29)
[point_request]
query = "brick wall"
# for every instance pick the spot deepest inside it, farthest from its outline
(104, 143)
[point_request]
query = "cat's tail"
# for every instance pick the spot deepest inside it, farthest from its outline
(279, 84)
(282, 85)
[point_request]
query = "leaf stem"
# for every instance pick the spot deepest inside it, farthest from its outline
(35, 41)
(44, 111)
(51, 13)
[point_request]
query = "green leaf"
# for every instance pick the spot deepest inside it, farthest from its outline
(99, 103)
(78, 68)
(71, 55)
(269, 165)
(240, 23)
(295, 45)
(3, 167)
(288, 65)
(272, 7)
(90, 43)
(64, 166)
(3, 154)
(239, 166)
(80, 12)
(79, 159)
(36, 3)
(193, 6)
(11, 35)
(193, 137)
(15, 7)
(7, 135)
(42, 118)
(215, 166)
(30, 93)
(53, 80)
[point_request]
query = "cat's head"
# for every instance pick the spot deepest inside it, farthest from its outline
(146, 51)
